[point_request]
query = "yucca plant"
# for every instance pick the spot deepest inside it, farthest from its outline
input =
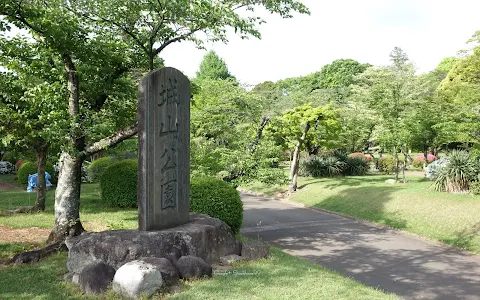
(455, 175)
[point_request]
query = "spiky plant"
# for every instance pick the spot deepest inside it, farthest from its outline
(455, 175)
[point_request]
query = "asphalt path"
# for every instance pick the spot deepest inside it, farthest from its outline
(396, 262)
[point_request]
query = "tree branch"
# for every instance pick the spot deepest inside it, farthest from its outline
(112, 140)
(182, 37)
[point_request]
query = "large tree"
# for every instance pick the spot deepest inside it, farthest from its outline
(303, 125)
(102, 43)
(388, 91)
(214, 68)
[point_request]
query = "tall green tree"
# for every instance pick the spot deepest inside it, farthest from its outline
(388, 90)
(300, 126)
(214, 68)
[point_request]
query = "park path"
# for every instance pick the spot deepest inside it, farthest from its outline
(411, 267)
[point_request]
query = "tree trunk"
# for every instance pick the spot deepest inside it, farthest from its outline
(41, 152)
(425, 156)
(296, 161)
(404, 178)
(395, 162)
(263, 123)
(67, 199)
(67, 194)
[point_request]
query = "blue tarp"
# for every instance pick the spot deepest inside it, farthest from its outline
(32, 181)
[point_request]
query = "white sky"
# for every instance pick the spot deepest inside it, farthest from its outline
(427, 30)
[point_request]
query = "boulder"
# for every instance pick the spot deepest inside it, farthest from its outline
(204, 237)
(390, 181)
(193, 267)
(137, 279)
(230, 259)
(96, 277)
(169, 273)
(255, 250)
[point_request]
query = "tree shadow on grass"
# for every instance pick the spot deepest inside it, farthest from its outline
(468, 238)
(366, 202)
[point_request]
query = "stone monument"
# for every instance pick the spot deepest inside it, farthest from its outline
(164, 150)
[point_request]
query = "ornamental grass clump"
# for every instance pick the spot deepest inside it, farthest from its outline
(456, 175)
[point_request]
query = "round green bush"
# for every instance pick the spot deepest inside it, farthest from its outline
(29, 168)
(386, 164)
(98, 167)
(118, 184)
(218, 199)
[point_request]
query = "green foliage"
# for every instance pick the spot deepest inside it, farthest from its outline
(322, 121)
(217, 199)
(340, 73)
(475, 187)
(386, 164)
(118, 184)
(98, 167)
(30, 168)
(213, 67)
(331, 165)
(455, 175)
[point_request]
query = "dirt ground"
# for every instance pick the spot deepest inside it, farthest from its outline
(23, 235)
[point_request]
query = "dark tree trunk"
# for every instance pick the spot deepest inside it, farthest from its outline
(263, 123)
(42, 151)
(396, 163)
(67, 199)
(296, 161)
(425, 156)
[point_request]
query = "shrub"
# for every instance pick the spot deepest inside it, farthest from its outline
(319, 166)
(386, 164)
(118, 184)
(455, 175)
(6, 167)
(366, 158)
(418, 160)
(475, 187)
(98, 167)
(330, 165)
(355, 166)
(218, 199)
(29, 168)
(433, 168)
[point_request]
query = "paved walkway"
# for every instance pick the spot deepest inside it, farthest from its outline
(410, 267)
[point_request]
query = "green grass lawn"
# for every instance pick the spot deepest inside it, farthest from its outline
(280, 276)
(94, 214)
(451, 218)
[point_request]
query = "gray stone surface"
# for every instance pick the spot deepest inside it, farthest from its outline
(136, 279)
(204, 237)
(411, 267)
(164, 149)
(96, 277)
(230, 259)
(193, 267)
(255, 250)
(169, 273)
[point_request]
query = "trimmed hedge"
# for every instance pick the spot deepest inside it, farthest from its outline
(29, 168)
(98, 167)
(218, 199)
(118, 184)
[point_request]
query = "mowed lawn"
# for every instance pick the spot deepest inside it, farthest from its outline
(281, 276)
(451, 218)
